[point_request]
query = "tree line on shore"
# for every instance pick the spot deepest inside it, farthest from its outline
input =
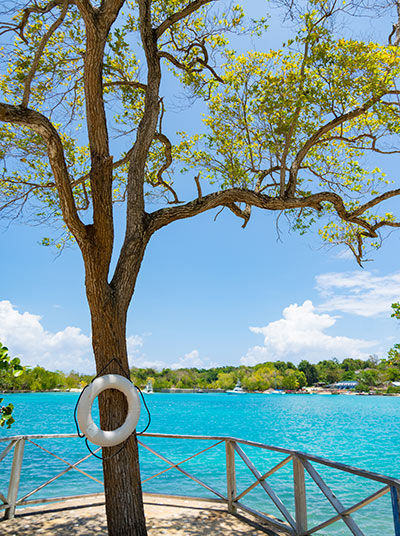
(277, 375)
(369, 374)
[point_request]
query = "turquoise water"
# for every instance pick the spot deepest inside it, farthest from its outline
(360, 431)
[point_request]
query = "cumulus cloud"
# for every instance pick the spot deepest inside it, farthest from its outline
(191, 359)
(143, 362)
(360, 293)
(134, 345)
(344, 254)
(300, 334)
(137, 358)
(25, 336)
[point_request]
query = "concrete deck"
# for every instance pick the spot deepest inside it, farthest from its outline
(165, 516)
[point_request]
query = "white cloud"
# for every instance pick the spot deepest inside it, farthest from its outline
(25, 336)
(134, 345)
(134, 342)
(300, 334)
(139, 359)
(192, 359)
(143, 362)
(344, 254)
(189, 360)
(360, 293)
(136, 357)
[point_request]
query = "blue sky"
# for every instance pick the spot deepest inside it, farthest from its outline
(209, 293)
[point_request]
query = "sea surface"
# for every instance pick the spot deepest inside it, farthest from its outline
(360, 431)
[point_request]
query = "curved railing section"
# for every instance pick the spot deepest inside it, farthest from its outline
(295, 523)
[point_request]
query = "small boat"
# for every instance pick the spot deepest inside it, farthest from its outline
(148, 390)
(237, 390)
(274, 391)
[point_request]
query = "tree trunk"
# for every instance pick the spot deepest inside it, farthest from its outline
(123, 491)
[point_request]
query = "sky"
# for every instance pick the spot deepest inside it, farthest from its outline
(209, 293)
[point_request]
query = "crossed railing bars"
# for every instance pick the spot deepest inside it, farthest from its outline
(295, 525)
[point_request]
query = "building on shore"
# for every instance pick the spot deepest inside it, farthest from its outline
(344, 385)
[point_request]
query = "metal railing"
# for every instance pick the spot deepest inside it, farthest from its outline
(296, 524)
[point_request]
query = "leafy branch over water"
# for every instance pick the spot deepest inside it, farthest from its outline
(13, 368)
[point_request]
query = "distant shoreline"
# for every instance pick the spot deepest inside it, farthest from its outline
(217, 391)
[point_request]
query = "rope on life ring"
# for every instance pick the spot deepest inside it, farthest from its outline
(108, 438)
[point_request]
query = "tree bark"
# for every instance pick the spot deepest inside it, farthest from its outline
(123, 492)
(122, 486)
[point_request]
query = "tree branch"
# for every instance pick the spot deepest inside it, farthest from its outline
(293, 124)
(168, 161)
(198, 186)
(124, 279)
(97, 26)
(179, 15)
(244, 214)
(137, 85)
(291, 188)
(86, 9)
(41, 125)
(39, 52)
(229, 198)
(354, 139)
(376, 201)
(386, 223)
(171, 58)
(189, 68)
(262, 175)
(19, 28)
(165, 216)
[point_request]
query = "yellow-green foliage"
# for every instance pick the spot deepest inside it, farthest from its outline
(267, 111)
(269, 105)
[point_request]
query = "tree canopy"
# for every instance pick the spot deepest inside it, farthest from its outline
(285, 130)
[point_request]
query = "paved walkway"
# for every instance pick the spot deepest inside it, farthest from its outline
(164, 516)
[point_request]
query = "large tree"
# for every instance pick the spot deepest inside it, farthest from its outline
(286, 131)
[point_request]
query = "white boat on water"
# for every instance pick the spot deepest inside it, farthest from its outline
(148, 390)
(237, 390)
(274, 390)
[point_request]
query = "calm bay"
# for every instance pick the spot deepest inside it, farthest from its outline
(361, 431)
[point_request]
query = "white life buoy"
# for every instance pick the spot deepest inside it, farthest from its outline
(93, 433)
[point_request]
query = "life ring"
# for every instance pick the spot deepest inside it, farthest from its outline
(108, 438)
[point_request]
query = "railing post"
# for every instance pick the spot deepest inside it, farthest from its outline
(14, 478)
(300, 496)
(394, 492)
(230, 475)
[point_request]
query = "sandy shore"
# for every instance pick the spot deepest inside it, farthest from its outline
(169, 517)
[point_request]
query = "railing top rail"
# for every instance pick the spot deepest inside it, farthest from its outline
(318, 459)
(36, 436)
(364, 473)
